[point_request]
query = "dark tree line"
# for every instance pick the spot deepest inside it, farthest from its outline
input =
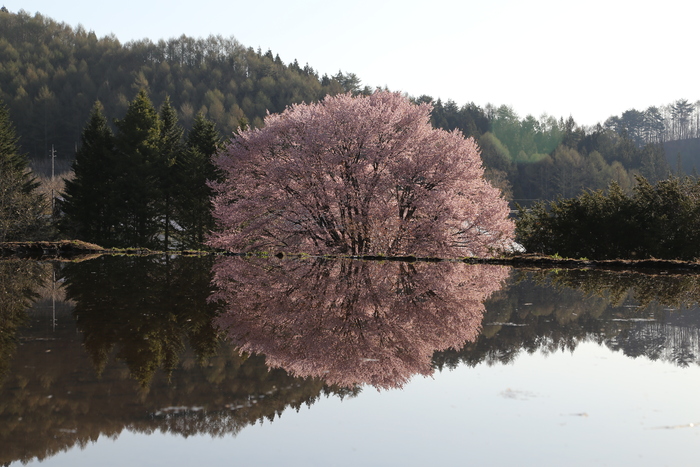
(145, 185)
(659, 220)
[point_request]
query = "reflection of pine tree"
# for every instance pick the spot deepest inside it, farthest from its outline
(667, 289)
(646, 339)
(146, 308)
(683, 355)
(19, 281)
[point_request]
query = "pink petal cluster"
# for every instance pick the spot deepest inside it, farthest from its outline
(352, 322)
(365, 175)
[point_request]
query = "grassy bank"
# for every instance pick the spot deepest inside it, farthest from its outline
(73, 248)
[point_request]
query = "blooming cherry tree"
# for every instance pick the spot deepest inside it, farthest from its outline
(364, 175)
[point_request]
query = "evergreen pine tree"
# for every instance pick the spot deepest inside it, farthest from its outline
(90, 196)
(136, 182)
(170, 148)
(22, 209)
(195, 168)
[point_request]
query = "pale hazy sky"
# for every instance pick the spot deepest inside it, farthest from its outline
(589, 59)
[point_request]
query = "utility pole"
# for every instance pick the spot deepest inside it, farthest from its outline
(53, 175)
(53, 301)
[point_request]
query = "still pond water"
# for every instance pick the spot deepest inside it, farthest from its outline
(179, 361)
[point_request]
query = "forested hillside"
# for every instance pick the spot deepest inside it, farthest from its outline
(51, 75)
(542, 159)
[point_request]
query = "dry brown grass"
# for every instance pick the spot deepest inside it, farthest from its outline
(53, 187)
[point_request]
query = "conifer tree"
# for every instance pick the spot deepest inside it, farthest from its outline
(195, 168)
(21, 207)
(136, 183)
(170, 148)
(90, 198)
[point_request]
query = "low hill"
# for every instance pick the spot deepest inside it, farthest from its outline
(51, 75)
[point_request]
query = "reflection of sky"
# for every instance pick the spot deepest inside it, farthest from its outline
(592, 407)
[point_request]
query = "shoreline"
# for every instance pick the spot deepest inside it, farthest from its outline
(76, 250)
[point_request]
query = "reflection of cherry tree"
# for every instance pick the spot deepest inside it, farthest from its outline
(352, 322)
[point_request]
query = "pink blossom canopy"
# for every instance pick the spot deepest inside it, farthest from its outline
(357, 175)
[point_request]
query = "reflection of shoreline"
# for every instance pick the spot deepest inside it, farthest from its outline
(62, 402)
(669, 343)
(19, 282)
(654, 316)
(76, 373)
(352, 322)
(53, 400)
